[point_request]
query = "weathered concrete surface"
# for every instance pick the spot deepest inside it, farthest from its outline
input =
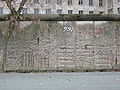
(61, 50)
(60, 81)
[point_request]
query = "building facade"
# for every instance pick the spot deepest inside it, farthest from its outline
(116, 7)
(66, 7)
(113, 6)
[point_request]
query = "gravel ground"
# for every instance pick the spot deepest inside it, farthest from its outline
(60, 81)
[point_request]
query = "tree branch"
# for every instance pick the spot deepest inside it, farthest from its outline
(12, 9)
(21, 6)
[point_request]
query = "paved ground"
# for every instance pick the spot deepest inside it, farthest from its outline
(60, 81)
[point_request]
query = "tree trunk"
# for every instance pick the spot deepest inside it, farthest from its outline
(5, 43)
(4, 55)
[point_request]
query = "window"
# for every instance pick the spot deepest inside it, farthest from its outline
(24, 11)
(118, 10)
(59, 2)
(69, 2)
(80, 2)
(36, 11)
(80, 11)
(100, 3)
(70, 11)
(90, 2)
(48, 11)
(36, 2)
(101, 12)
(110, 11)
(59, 11)
(47, 1)
(91, 12)
(1, 10)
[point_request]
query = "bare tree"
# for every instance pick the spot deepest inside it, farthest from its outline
(13, 23)
(15, 7)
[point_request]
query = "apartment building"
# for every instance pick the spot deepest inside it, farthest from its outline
(113, 6)
(67, 7)
(116, 7)
(83, 7)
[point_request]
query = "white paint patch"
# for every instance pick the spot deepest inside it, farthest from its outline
(85, 85)
(118, 79)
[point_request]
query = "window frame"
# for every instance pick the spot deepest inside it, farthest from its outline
(1, 10)
(47, 1)
(59, 11)
(91, 3)
(36, 9)
(91, 13)
(36, 2)
(48, 11)
(118, 10)
(71, 11)
(70, 2)
(80, 11)
(80, 2)
(101, 3)
(25, 11)
(59, 2)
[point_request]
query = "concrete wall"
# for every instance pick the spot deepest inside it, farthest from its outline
(60, 50)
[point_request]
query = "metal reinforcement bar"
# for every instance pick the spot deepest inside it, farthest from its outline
(63, 17)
